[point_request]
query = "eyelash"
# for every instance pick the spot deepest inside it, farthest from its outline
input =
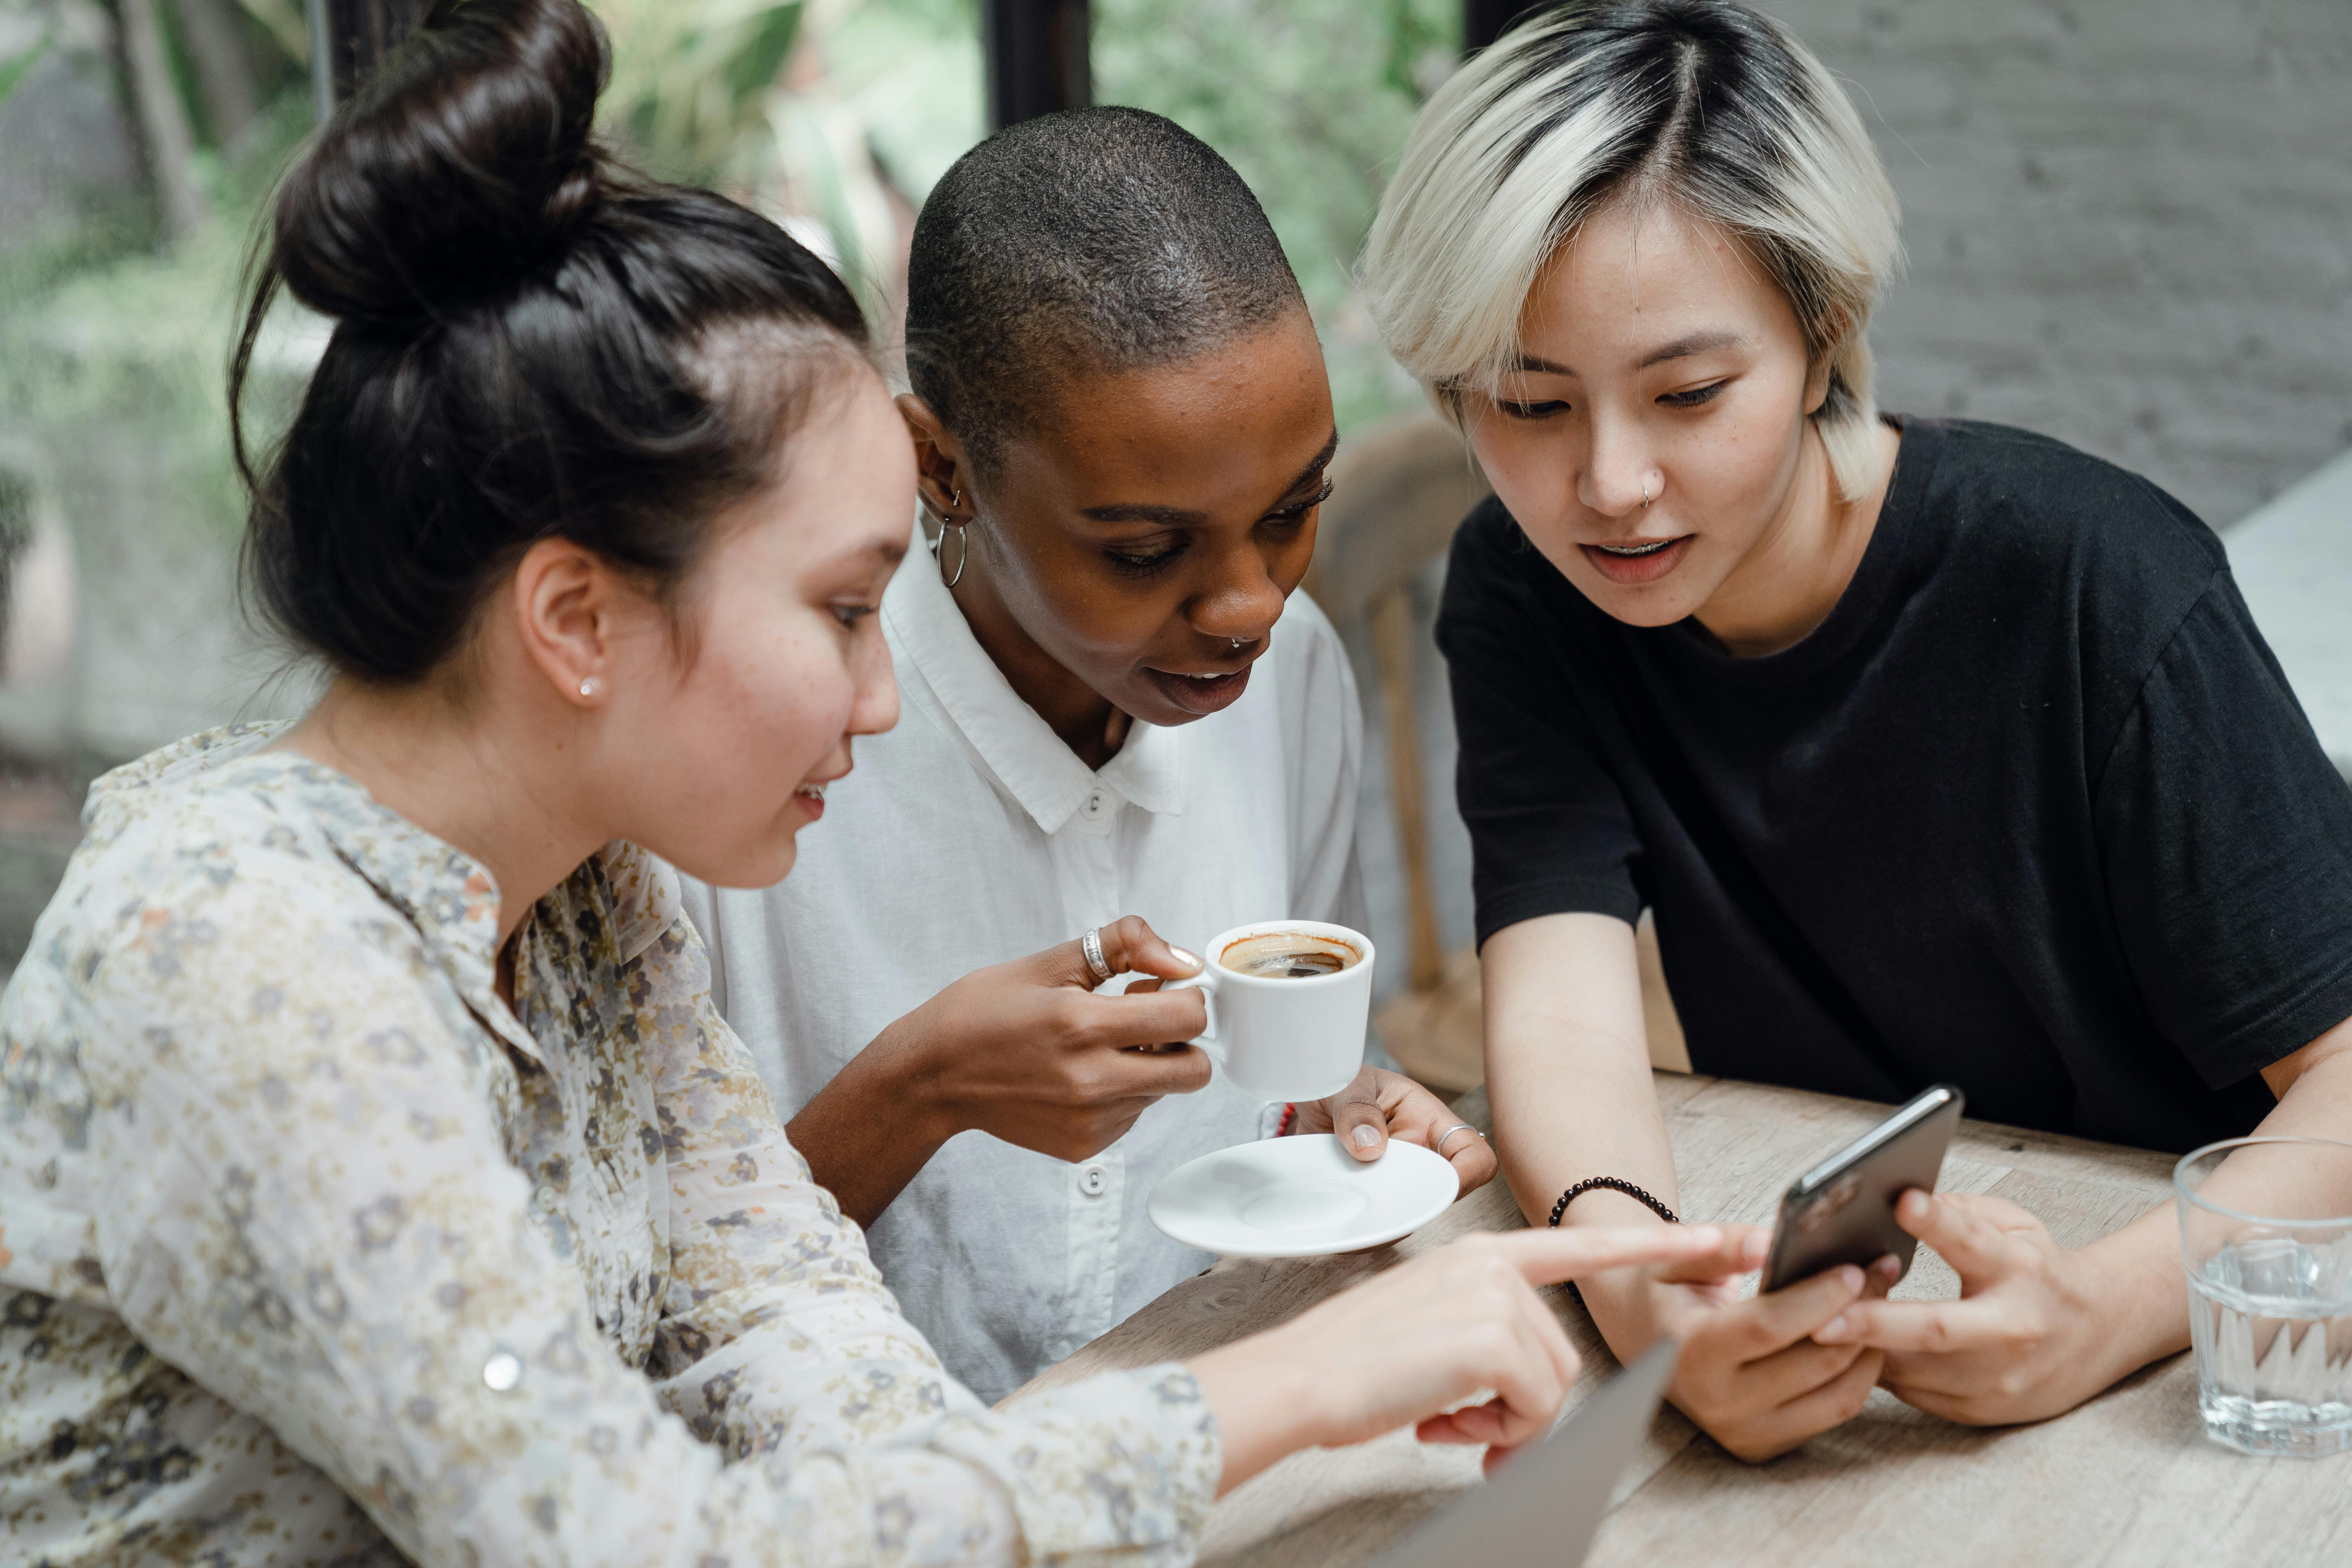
(1694, 397)
(1297, 510)
(850, 615)
(1152, 565)
(1145, 565)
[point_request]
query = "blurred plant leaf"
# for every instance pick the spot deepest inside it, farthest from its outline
(691, 79)
(761, 56)
(1414, 39)
(1311, 100)
(14, 72)
(286, 23)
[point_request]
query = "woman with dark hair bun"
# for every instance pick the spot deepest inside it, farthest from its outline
(377, 1182)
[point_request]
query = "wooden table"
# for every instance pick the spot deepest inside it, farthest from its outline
(2127, 1478)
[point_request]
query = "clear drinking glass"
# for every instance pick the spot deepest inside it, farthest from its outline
(2266, 1242)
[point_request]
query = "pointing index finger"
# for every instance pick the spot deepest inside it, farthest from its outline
(1549, 1256)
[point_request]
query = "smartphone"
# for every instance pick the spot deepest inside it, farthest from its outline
(1842, 1210)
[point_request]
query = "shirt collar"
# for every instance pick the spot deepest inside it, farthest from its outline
(1028, 761)
(449, 896)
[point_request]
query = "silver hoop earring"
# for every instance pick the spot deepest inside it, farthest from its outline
(963, 550)
(963, 539)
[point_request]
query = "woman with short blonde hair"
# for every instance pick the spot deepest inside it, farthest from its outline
(1517, 152)
(1942, 752)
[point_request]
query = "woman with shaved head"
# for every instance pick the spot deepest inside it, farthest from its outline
(1117, 705)
(1942, 752)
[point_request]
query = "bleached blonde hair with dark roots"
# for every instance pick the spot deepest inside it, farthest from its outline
(1704, 104)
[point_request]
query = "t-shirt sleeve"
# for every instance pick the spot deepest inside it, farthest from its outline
(1549, 831)
(2226, 838)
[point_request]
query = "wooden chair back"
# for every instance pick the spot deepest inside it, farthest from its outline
(1398, 492)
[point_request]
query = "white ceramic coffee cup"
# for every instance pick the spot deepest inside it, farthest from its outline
(1282, 1037)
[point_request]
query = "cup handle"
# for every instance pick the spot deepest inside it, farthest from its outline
(1205, 983)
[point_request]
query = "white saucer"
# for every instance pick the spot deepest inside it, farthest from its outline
(1300, 1197)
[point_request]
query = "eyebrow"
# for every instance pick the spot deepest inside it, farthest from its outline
(1185, 517)
(1696, 343)
(1681, 348)
(888, 555)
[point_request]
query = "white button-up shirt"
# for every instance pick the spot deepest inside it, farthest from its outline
(971, 835)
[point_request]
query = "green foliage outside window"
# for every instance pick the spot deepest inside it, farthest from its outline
(835, 115)
(1310, 99)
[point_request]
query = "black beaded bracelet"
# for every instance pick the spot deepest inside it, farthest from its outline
(1615, 1185)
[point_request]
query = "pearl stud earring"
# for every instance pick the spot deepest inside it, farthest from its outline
(591, 687)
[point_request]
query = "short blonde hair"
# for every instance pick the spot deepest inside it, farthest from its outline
(1701, 104)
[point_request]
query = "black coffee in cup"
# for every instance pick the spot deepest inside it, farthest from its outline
(1289, 955)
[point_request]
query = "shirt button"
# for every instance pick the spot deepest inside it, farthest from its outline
(1093, 1179)
(502, 1372)
(1094, 807)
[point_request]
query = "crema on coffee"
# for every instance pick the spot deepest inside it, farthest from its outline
(1288, 955)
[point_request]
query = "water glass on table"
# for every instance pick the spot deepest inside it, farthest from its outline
(2266, 1242)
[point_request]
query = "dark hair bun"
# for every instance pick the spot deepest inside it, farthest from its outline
(532, 341)
(464, 163)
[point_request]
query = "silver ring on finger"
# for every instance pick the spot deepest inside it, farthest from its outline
(1439, 1146)
(1091, 945)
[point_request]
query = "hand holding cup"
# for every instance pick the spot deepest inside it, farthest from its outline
(1031, 1051)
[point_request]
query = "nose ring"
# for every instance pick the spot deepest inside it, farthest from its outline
(1237, 644)
(1646, 496)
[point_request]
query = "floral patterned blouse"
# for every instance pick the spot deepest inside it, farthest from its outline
(312, 1251)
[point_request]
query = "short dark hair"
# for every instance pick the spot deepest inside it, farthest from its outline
(1094, 240)
(531, 341)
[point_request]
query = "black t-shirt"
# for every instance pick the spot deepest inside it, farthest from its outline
(2032, 810)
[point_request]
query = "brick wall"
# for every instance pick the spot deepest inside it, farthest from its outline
(2130, 223)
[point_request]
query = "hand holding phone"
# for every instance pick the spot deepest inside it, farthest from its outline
(1842, 1210)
